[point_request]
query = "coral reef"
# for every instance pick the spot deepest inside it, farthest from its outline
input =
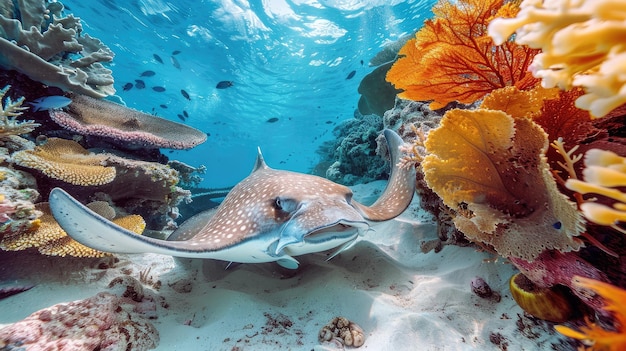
(45, 48)
(17, 198)
(344, 331)
(452, 59)
(102, 322)
(594, 335)
(581, 45)
(353, 152)
(491, 170)
(132, 128)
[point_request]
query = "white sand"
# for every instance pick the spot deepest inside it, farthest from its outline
(403, 299)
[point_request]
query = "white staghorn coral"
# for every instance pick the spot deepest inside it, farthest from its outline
(9, 111)
(582, 43)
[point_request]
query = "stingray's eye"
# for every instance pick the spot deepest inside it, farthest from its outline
(284, 204)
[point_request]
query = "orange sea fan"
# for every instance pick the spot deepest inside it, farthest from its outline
(592, 334)
(452, 58)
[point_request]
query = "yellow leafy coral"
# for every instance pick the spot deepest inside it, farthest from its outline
(582, 43)
(604, 173)
(491, 170)
(50, 239)
(593, 335)
(66, 160)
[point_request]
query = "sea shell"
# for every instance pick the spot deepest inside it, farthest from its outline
(550, 304)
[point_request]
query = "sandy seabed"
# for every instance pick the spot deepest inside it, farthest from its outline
(402, 298)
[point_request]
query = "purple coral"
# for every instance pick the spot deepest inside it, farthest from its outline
(97, 323)
(559, 268)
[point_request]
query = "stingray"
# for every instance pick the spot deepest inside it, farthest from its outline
(271, 215)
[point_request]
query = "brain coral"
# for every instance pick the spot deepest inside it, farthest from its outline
(130, 127)
(491, 169)
(66, 160)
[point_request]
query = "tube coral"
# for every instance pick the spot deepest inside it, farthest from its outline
(582, 45)
(452, 58)
(605, 171)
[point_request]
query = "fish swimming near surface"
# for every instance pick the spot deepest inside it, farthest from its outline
(147, 74)
(158, 89)
(175, 62)
(127, 86)
(185, 114)
(49, 103)
(140, 84)
(175, 52)
(163, 106)
(272, 120)
(181, 117)
(185, 94)
(270, 216)
(157, 58)
(351, 75)
(224, 84)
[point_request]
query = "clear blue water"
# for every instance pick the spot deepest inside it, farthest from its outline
(288, 59)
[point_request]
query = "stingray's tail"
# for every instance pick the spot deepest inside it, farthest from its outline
(400, 188)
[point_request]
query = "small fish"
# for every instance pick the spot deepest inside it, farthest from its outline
(329, 122)
(350, 75)
(157, 58)
(361, 62)
(148, 74)
(140, 84)
(185, 114)
(224, 84)
(127, 86)
(185, 94)
(272, 120)
(176, 52)
(163, 106)
(158, 89)
(182, 118)
(50, 103)
(175, 62)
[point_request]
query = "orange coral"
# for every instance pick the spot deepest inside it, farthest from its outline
(592, 334)
(452, 58)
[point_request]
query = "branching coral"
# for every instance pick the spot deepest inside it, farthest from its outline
(594, 335)
(491, 169)
(452, 58)
(604, 173)
(582, 45)
(10, 110)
